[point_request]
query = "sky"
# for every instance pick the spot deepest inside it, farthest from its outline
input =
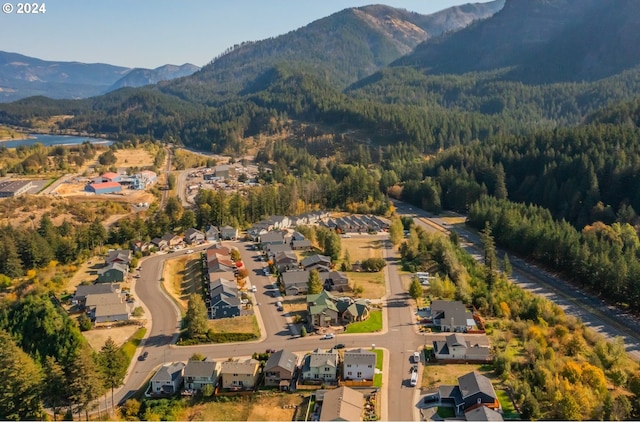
(152, 33)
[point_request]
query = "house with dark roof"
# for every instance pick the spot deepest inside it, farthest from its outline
(321, 366)
(172, 239)
(140, 246)
(273, 250)
(483, 413)
(239, 375)
(295, 282)
(107, 307)
(160, 243)
(279, 369)
(223, 299)
(194, 236)
(199, 373)
(359, 365)
(451, 316)
(342, 404)
(321, 263)
(271, 238)
(120, 256)
(472, 348)
(114, 272)
(168, 379)
(473, 390)
(322, 309)
(82, 291)
(213, 234)
(356, 311)
(335, 281)
(301, 245)
(286, 261)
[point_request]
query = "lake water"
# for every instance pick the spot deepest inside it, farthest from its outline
(49, 140)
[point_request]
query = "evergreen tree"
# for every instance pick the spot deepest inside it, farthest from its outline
(506, 264)
(20, 394)
(346, 261)
(332, 245)
(85, 381)
(54, 386)
(315, 283)
(113, 365)
(196, 317)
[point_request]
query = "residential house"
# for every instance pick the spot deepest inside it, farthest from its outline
(473, 391)
(271, 238)
(335, 281)
(342, 404)
(286, 261)
(273, 250)
(199, 373)
(83, 291)
(168, 379)
(107, 307)
(321, 367)
(172, 240)
(280, 222)
(451, 316)
(359, 364)
(460, 347)
(323, 309)
(295, 282)
(321, 263)
(160, 243)
(239, 375)
(483, 413)
(213, 234)
(296, 235)
(140, 246)
(301, 245)
(120, 256)
(279, 369)
(193, 236)
(228, 233)
(223, 299)
(112, 273)
(357, 311)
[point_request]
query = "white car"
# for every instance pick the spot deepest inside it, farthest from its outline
(189, 251)
(328, 336)
(416, 357)
(254, 289)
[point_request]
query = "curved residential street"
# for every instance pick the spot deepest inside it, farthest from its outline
(399, 337)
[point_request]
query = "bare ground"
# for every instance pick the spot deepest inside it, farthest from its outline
(98, 336)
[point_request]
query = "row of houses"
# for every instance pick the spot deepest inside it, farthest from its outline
(219, 275)
(191, 236)
(317, 367)
(357, 224)
(279, 222)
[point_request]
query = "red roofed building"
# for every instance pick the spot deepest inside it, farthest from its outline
(110, 177)
(102, 188)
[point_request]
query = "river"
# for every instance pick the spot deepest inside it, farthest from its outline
(49, 140)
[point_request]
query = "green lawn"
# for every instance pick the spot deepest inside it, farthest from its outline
(377, 378)
(132, 344)
(505, 401)
(371, 325)
(446, 412)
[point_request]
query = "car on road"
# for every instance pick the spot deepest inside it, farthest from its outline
(416, 357)
(270, 350)
(328, 336)
(279, 306)
(189, 251)
(254, 289)
(143, 356)
(414, 368)
(339, 346)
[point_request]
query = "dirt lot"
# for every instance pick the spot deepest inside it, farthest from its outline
(127, 195)
(440, 374)
(88, 271)
(363, 247)
(138, 157)
(267, 408)
(97, 336)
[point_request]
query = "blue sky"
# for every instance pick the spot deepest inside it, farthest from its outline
(150, 33)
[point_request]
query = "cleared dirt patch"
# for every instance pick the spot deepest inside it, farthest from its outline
(260, 408)
(138, 157)
(441, 374)
(362, 247)
(98, 336)
(373, 284)
(87, 272)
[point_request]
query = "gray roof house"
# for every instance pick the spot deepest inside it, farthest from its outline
(168, 379)
(451, 316)
(273, 250)
(335, 281)
(472, 348)
(295, 282)
(199, 373)
(320, 367)
(342, 404)
(285, 261)
(483, 413)
(107, 307)
(224, 300)
(359, 364)
(194, 236)
(121, 256)
(93, 289)
(213, 234)
(320, 262)
(301, 245)
(279, 369)
(271, 238)
(112, 273)
(473, 391)
(228, 233)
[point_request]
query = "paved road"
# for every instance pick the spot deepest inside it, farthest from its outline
(593, 311)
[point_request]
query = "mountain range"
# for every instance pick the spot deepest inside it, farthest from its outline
(22, 76)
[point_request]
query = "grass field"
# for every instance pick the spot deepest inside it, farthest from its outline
(97, 337)
(373, 285)
(362, 247)
(241, 324)
(441, 374)
(138, 157)
(377, 378)
(371, 325)
(134, 341)
(181, 278)
(258, 408)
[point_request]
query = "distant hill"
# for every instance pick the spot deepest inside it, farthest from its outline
(540, 41)
(341, 48)
(22, 76)
(140, 77)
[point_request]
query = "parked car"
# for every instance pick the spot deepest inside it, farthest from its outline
(339, 346)
(189, 251)
(271, 350)
(413, 369)
(416, 357)
(143, 356)
(254, 289)
(328, 336)
(279, 306)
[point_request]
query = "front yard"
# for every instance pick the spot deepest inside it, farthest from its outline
(371, 325)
